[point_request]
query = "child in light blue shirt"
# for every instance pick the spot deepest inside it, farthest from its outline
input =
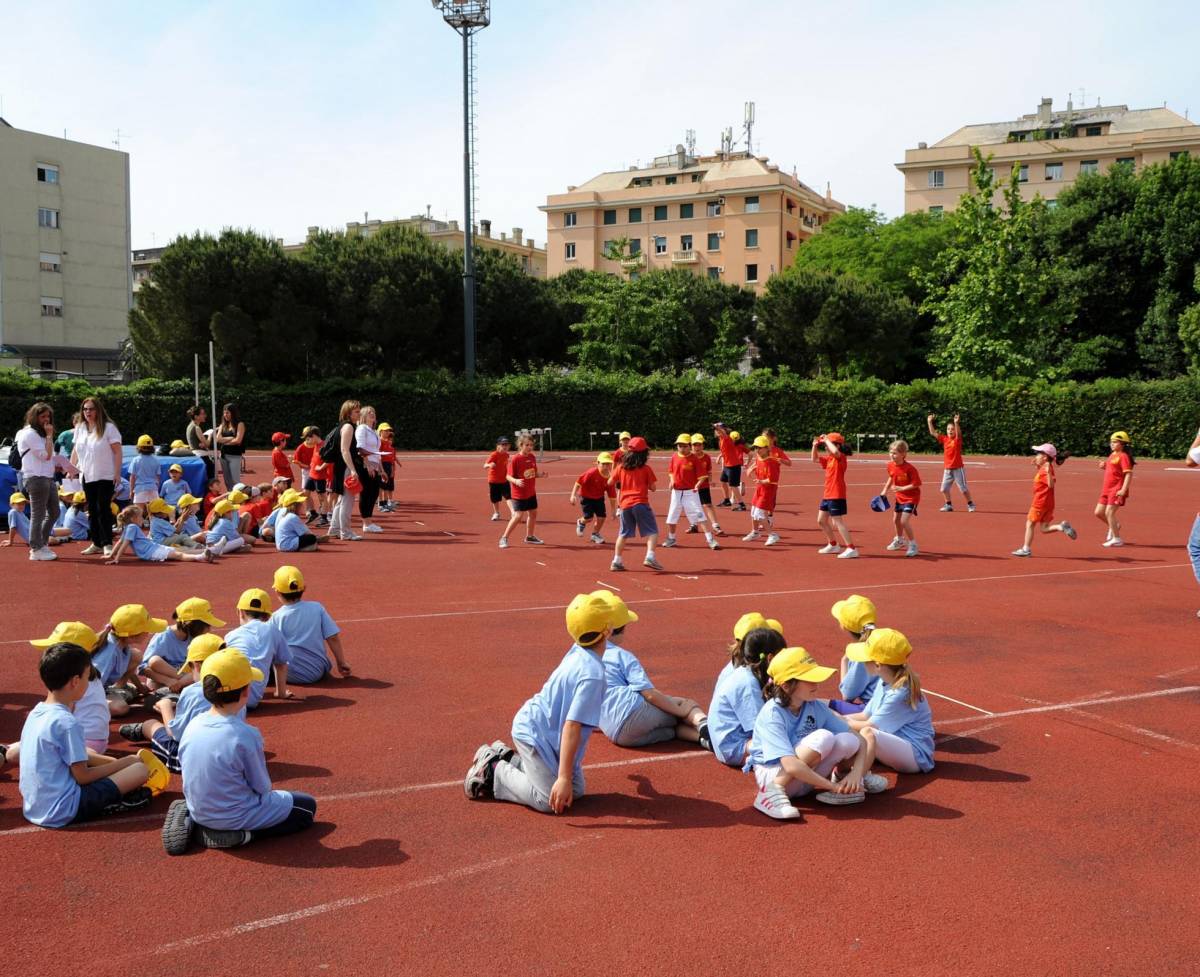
(133, 539)
(77, 522)
(307, 628)
(856, 616)
(174, 488)
(737, 697)
(262, 644)
(144, 471)
(18, 520)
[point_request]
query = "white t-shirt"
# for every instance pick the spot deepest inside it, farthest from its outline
(95, 453)
(367, 440)
(30, 446)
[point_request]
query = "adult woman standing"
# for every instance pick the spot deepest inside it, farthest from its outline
(231, 437)
(368, 466)
(343, 463)
(35, 444)
(97, 455)
(198, 441)
(1193, 461)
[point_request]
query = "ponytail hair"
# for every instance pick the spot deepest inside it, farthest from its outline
(906, 676)
(634, 459)
(780, 693)
(755, 650)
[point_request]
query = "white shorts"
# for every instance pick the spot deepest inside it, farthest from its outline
(687, 502)
(833, 749)
(955, 476)
(760, 514)
(144, 495)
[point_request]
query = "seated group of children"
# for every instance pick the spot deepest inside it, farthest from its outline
(200, 685)
(767, 714)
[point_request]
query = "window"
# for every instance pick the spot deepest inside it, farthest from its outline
(47, 173)
(49, 261)
(752, 205)
(610, 217)
(1093, 131)
(1023, 173)
(635, 247)
(660, 212)
(937, 209)
(712, 209)
(752, 237)
(1051, 204)
(670, 181)
(642, 181)
(714, 274)
(47, 217)
(685, 242)
(685, 211)
(52, 307)
(1125, 161)
(608, 247)
(1054, 171)
(714, 241)
(660, 245)
(937, 178)
(1176, 155)
(1089, 166)
(569, 251)
(695, 177)
(570, 219)
(635, 215)
(751, 273)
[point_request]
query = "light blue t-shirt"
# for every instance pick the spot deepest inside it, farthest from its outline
(225, 779)
(735, 705)
(168, 646)
(574, 691)
(265, 647)
(288, 530)
(147, 471)
(61, 519)
(225, 527)
(160, 528)
(172, 491)
(20, 522)
(889, 711)
(144, 548)
(191, 526)
(624, 681)
(111, 661)
(305, 625)
(777, 732)
(858, 683)
(77, 523)
(190, 705)
(121, 490)
(51, 740)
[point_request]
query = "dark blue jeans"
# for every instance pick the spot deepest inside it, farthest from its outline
(304, 810)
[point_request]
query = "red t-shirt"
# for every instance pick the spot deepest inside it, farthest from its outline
(524, 466)
(499, 462)
(387, 452)
(683, 471)
(779, 454)
(951, 451)
(1043, 492)
(635, 486)
(303, 455)
(703, 465)
(906, 480)
(1115, 467)
(617, 456)
(732, 454)
(593, 485)
(319, 470)
(835, 475)
(766, 470)
(280, 464)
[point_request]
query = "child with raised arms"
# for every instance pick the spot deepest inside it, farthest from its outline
(589, 491)
(832, 515)
(685, 501)
(766, 489)
(308, 629)
(704, 467)
(954, 471)
(904, 478)
(737, 698)
(1041, 511)
(637, 481)
(551, 730)
(777, 452)
(523, 474)
(499, 488)
(1114, 492)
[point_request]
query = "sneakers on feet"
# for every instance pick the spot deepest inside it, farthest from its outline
(912, 550)
(946, 508)
(838, 800)
(652, 563)
(668, 542)
(533, 541)
(216, 838)
(874, 783)
(1022, 552)
(479, 779)
(773, 801)
(830, 548)
(580, 526)
(503, 542)
(136, 799)
(1069, 530)
(713, 544)
(751, 536)
(44, 554)
(970, 507)
(132, 732)
(693, 529)
(352, 536)
(495, 517)
(90, 550)
(372, 528)
(597, 539)
(740, 507)
(177, 829)
(772, 539)
(1115, 541)
(896, 544)
(725, 505)
(617, 566)
(850, 553)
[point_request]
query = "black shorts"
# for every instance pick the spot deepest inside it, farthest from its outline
(705, 494)
(906, 507)
(525, 505)
(95, 797)
(593, 508)
(835, 507)
(732, 475)
(387, 480)
(314, 485)
(499, 490)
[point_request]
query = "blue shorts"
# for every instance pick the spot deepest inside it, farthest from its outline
(732, 475)
(906, 507)
(638, 519)
(835, 507)
(164, 746)
(95, 797)
(593, 508)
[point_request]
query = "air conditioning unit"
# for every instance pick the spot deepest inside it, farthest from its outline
(721, 201)
(720, 233)
(720, 269)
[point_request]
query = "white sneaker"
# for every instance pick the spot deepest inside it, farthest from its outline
(832, 797)
(1022, 552)
(751, 536)
(668, 542)
(616, 566)
(874, 783)
(830, 548)
(495, 517)
(503, 542)
(848, 554)
(946, 508)
(774, 802)
(108, 551)
(90, 550)
(772, 539)
(1115, 541)
(713, 544)
(597, 539)
(896, 544)
(912, 550)
(43, 554)
(580, 526)
(370, 527)
(1069, 530)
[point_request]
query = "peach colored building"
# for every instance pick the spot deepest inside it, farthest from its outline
(1052, 148)
(732, 217)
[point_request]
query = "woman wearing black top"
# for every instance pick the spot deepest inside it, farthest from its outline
(231, 437)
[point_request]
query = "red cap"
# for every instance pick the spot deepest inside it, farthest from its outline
(835, 437)
(279, 436)
(638, 444)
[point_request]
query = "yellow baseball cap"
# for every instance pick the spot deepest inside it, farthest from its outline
(160, 505)
(145, 441)
(222, 507)
(854, 613)
(385, 426)
(796, 663)
(17, 499)
(747, 623)
(684, 439)
(130, 619)
(624, 436)
(237, 498)
(774, 625)
(1120, 436)
(160, 777)
(734, 435)
(113, 507)
(588, 614)
(288, 580)
(198, 609)
(72, 632)
(620, 614)
(762, 442)
(176, 468)
(78, 498)
(200, 648)
(887, 646)
(255, 599)
(291, 497)
(175, 446)
(231, 668)
(697, 439)
(187, 499)
(604, 458)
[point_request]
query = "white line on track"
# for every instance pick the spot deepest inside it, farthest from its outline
(959, 702)
(1179, 671)
(1066, 706)
(609, 586)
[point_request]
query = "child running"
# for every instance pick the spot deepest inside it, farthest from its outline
(307, 628)
(589, 491)
(906, 480)
(1041, 512)
(737, 698)
(766, 489)
(681, 473)
(134, 539)
(832, 515)
(1114, 492)
(954, 473)
(733, 456)
(637, 481)
(522, 475)
(703, 465)
(499, 488)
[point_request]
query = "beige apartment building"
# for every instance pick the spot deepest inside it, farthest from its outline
(65, 282)
(1053, 149)
(734, 217)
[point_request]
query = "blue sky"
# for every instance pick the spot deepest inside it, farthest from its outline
(278, 116)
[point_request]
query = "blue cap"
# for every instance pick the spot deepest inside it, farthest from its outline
(880, 504)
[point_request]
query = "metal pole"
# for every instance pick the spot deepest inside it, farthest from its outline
(468, 235)
(212, 389)
(196, 386)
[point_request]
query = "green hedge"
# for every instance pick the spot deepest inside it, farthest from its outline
(440, 411)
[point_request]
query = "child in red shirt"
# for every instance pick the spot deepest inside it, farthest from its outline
(733, 456)
(1041, 512)
(320, 474)
(777, 452)
(496, 467)
(906, 481)
(833, 500)
(637, 482)
(310, 441)
(522, 475)
(685, 500)
(387, 460)
(703, 465)
(762, 506)
(1114, 492)
(954, 472)
(280, 466)
(589, 490)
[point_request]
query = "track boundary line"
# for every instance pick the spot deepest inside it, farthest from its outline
(1067, 706)
(958, 702)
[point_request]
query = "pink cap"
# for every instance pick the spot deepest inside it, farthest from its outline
(1047, 449)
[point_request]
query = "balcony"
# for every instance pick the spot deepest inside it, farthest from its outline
(631, 262)
(685, 257)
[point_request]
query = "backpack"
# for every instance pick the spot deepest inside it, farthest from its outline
(14, 454)
(331, 447)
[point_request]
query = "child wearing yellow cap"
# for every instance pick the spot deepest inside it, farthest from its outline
(766, 491)
(291, 535)
(133, 538)
(685, 500)
(228, 797)
(387, 460)
(144, 472)
(18, 520)
(123, 644)
(167, 651)
(76, 521)
(704, 466)
(737, 697)
(92, 709)
(263, 645)
(223, 536)
(799, 741)
(551, 731)
(897, 723)
(173, 487)
(1114, 491)
(162, 525)
(856, 616)
(307, 628)
(589, 491)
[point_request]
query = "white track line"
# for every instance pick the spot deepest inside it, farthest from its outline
(1179, 671)
(1065, 706)
(609, 586)
(957, 702)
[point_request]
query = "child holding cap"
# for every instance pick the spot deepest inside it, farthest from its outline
(168, 649)
(551, 731)
(589, 491)
(685, 501)
(291, 535)
(144, 471)
(228, 798)
(280, 466)
(119, 653)
(262, 644)
(187, 522)
(635, 713)
(798, 741)
(856, 615)
(523, 474)
(733, 456)
(737, 698)
(637, 481)
(703, 464)
(307, 628)
(1114, 492)
(766, 490)
(499, 488)
(904, 478)
(133, 537)
(832, 514)
(1041, 512)
(897, 723)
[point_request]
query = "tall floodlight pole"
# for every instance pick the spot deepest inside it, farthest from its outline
(467, 17)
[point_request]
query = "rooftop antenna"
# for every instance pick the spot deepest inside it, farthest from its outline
(690, 142)
(748, 127)
(116, 142)
(726, 142)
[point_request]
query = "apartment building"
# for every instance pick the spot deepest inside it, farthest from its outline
(734, 217)
(1053, 149)
(65, 282)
